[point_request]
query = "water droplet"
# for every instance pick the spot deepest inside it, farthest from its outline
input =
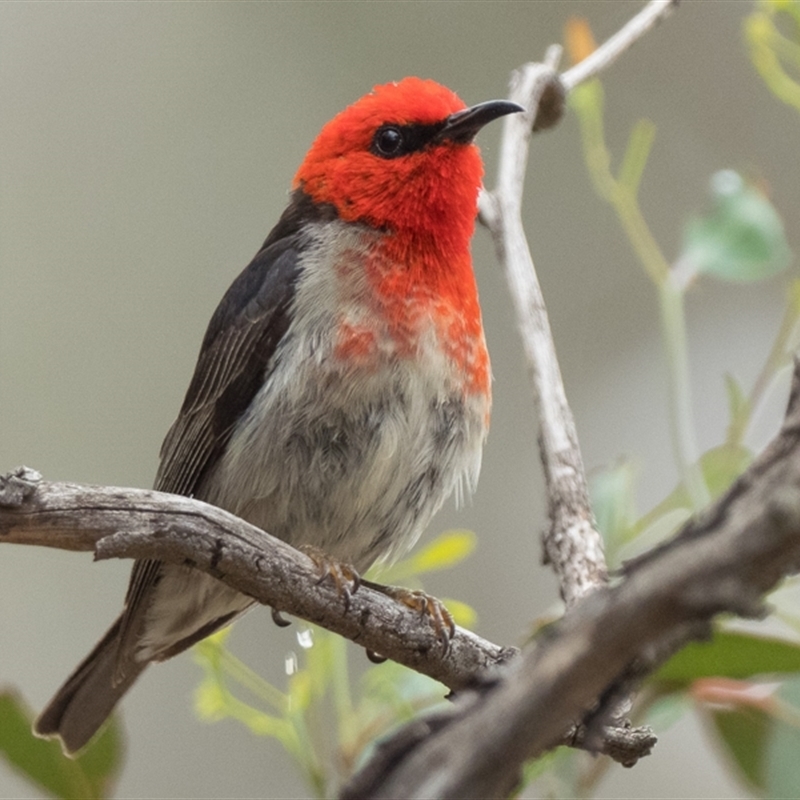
(305, 638)
(290, 662)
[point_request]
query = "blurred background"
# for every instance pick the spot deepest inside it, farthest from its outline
(146, 149)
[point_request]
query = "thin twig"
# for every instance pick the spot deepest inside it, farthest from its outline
(622, 40)
(572, 543)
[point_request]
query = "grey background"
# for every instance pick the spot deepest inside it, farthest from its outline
(145, 151)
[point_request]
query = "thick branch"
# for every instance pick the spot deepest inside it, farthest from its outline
(136, 523)
(139, 523)
(723, 562)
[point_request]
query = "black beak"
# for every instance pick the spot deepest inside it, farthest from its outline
(462, 126)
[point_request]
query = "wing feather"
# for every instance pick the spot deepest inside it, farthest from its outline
(235, 357)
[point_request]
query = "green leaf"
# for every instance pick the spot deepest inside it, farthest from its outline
(587, 98)
(611, 491)
(741, 239)
(791, 322)
(744, 731)
(729, 654)
(91, 775)
(463, 613)
(636, 154)
(723, 465)
(666, 710)
(738, 408)
(775, 56)
(782, 764)
(446, 550)
(720, 465)
(761, 733)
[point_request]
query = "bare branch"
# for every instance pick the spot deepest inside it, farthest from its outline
(572, 543)
(622, 40)
(724, 562)
(137, 523)
(140, 523)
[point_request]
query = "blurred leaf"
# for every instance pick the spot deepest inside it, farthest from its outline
(446, 550)
(91, 775)
(782, 762)
(392, 694)
(579, 39)
(744, 732)
(316, 720)
(773, 54)
(721, 466)
(217, 661)
(741, 239)
(636, 154)
(324, 656)
(400, 688)
(786, 344)
(731, 655)
(611, 491)
(536, 767)
(791, 339)
(739, 409)
(666, 710)
(659, 529)
(463, 613)
(587, 98)
(759, 727)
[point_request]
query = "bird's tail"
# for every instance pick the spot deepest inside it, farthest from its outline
(89, 695)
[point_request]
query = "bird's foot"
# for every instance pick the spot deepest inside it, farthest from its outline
(344, 577)
(428, 607)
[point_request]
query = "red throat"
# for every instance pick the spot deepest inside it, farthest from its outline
(425, 203)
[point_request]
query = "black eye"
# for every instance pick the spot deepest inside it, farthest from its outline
(387, 142)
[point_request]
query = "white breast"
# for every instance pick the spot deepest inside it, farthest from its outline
(354, 459)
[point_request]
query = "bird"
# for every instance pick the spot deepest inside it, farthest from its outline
(342, 391)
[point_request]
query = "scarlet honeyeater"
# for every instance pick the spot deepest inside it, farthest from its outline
(342, 391)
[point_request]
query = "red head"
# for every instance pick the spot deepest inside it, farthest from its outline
(401, 158)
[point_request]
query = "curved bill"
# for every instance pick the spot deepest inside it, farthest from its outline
(462, 126)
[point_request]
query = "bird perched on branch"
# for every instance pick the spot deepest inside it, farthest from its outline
(342, 391)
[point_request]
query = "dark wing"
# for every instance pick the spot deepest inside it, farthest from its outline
(238, 346)
(240, 341)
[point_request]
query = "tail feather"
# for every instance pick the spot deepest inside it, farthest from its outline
(89, 695)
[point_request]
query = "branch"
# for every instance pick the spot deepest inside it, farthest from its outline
(630, 33)
(140, 523)
(572, 543)
(137, 523)
(723, 562)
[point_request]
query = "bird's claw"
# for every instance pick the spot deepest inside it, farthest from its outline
(279, 619)
(375, 658)
(344, 577)
(429, 607)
